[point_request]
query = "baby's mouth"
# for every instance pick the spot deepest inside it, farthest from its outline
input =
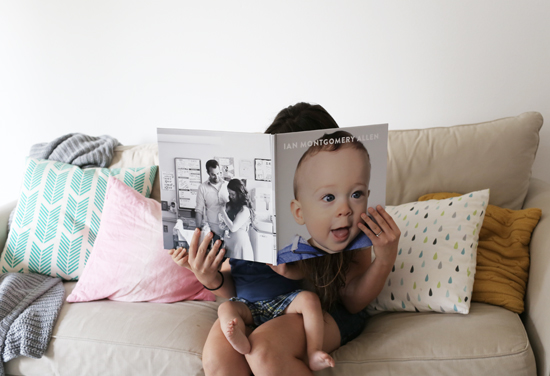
(340, 234)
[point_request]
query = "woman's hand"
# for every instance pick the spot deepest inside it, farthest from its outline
(384, 234)
(202, 262)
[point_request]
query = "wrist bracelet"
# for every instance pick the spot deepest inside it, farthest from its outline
(221, 284)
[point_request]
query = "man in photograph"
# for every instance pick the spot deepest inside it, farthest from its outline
(212, 196)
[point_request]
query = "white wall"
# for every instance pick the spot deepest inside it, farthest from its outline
(127, 67)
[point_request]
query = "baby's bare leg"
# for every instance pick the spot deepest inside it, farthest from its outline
(308, 305)
(234, 316)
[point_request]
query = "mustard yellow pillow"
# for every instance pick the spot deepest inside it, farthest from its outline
(502, 266)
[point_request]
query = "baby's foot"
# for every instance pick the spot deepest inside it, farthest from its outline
(236, 337)
(320, 360)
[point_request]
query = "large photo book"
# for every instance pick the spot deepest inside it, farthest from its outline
(272, 198)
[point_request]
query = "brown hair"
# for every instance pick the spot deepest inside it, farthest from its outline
(327, 273)
(242, 200)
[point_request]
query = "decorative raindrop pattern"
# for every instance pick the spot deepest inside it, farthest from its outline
(436, 262)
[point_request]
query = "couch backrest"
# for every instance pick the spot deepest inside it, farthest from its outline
(497, 154)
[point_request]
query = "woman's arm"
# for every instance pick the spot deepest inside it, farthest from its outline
(204, 264)
(240, 219)
(366, 279)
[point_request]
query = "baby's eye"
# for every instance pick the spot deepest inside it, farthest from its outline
(357, 194)
(328, 198)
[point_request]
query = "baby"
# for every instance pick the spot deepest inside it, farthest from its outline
(238, 312)
(331, 189)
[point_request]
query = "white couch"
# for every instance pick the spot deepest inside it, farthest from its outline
(114, 338)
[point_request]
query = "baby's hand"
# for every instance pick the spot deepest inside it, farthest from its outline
(180, 257)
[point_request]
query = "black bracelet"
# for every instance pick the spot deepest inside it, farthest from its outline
(221, 284)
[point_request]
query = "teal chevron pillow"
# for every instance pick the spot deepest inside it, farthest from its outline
(58, 216)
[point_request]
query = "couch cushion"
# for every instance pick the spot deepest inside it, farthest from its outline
(497, 155)
(490, 340)
(119, 338)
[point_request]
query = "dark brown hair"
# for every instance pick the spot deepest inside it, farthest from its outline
(326, 273)
(234, 207)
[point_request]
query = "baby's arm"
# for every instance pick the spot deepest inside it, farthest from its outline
(240, 219)
(289, 270)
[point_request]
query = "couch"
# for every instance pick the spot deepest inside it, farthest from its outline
(117, 338)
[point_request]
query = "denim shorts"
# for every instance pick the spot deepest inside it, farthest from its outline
(350, 325)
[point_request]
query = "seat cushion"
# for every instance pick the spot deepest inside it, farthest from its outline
(119, 338)
(489, 340)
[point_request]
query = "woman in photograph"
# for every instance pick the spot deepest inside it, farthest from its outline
(237, 218)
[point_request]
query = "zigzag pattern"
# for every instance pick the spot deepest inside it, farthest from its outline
(46, 228)
(99, 198)
(15, 251)
(94, 229)
(68, 254)
(55, 186)
(152, 175)
(40, 260)
(25, 210)
(86, 256)
(60, 166)
(34, 174)
(135, 182)
(75, 215)
(81, 182)
(114, 172)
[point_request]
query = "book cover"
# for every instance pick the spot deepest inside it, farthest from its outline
(272, 198)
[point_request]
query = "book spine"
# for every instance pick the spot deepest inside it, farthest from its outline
(273, 194)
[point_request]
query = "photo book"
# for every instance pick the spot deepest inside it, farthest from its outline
(272, 198)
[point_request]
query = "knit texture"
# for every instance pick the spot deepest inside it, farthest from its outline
(29, 306)
(77, 149)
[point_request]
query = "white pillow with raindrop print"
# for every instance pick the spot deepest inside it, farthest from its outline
(436, 259)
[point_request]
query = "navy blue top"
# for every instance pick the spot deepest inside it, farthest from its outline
(255, 281)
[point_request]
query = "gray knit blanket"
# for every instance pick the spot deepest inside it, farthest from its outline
(29, 305)
(78, 149)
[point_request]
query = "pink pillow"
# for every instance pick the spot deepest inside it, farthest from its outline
(128, 262)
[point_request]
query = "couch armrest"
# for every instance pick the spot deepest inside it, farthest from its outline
(5, 211)
(537, 300)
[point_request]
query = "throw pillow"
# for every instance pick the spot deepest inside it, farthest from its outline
(436, 260)
(128, 262)
(502, 268)
(58, 216)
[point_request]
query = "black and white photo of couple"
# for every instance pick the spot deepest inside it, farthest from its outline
(224, 207)
(218, 182)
